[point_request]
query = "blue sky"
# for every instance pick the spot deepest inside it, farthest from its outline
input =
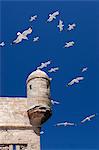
(18, 61)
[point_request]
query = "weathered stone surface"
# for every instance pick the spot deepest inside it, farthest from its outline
(13, 111)
(20, 137)
(21, 117)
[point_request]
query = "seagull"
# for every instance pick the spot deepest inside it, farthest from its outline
(33, 18)
(84, 69)
(44, 65)
(68, 44)
(88, 118)
(42, 132)
(53, 69)
(60, 25)
(54, 102)
(50, 79)
(35, 39)
(52, 16)
(22, 36)
(76, 80)
(65, 124)
(71, 26)
(2, 44)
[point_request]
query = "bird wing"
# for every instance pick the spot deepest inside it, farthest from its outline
(71, 82)
(50, 18)
(59, 124)
(84, 69)
(51, 70)
(54, 102)
(71, 124)
(36, 39)
(73, 24)
(28, 31)
(83, 120)
(60, 22)
(71, 43)
(56, 68)
(92, 116)
(18, 40)
(55, 13)
(41, 132)
(2, 44)
(80, 78)
(47, 63)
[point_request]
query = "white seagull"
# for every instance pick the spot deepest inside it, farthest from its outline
(71, 26)
(84, 69)
(41, 132)
(2, 44)
(45, 64)
(60, 25)
(22, 36)
(35, 39)
(76, 80)
(65, 124)
(53, 69)
(33, 18)
(54, 102)
(50, 79)
(52, 16)
(69, 44)
(88, 118)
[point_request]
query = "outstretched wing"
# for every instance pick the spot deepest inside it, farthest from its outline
(59, 124)
(55, 13)
(92, 116)
(18, 40)
(80, 78)
(47, 63)
(71, 82)
(54, 102)
(84, 120)
(56, 68)
(60, 22)
(71, 124)
(26, 32)
(51, 70)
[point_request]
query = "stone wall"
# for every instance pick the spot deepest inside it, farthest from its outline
(20, 137)
(13, 111)
(15, 127)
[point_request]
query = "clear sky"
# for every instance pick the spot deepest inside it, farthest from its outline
(18, 61)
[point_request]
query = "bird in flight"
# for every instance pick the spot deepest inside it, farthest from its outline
(50, 79)
(2, 44)
(52, 16)
(65, 124)
(41, 132)
(84, 69)
(76, 80)
(45, 64)
(35, 39)
(22, 36)
(71, 26)
(33, 18)
(88, 118)
(53, 69)
(60, 25)
(54, 102)
(68, 44)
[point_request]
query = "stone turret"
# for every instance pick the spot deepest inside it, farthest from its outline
(21, 117)
(38, 89)
(38, 85)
